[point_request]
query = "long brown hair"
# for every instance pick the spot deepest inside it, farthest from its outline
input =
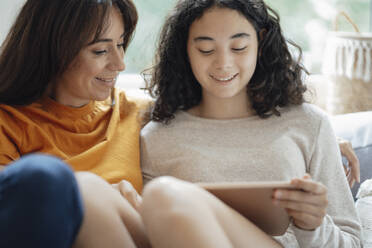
(45, 38)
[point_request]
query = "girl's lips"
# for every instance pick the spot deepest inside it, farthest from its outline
(224, 79)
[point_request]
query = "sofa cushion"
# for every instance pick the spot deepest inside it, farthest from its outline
(364, 206)
(357, 128)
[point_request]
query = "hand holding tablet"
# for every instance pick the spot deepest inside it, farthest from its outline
(254, 201)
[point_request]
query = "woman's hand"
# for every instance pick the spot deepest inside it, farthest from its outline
(128, 192)
(352, 171)
(306, 204)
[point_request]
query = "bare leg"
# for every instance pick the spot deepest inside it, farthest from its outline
(109, 220)
(180, 214)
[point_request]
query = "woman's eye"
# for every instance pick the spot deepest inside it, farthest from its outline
(99, 52)
(205, 51)
(239, 49)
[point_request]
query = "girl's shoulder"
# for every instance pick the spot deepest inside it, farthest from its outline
(154, 128)
(180, 123)
(306, 112)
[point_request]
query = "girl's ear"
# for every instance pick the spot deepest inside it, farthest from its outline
(262, 34)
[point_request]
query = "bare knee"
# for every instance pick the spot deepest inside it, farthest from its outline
(170, 201)
(165, 193)
(90, 181)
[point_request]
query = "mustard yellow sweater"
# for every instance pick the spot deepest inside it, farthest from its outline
(100, 137)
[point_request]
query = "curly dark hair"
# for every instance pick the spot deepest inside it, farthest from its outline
(46, 37)
(277, 81)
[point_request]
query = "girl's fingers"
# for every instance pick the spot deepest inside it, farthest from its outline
(304, 220)
(300, 197)
(348, 172)
(350, 178)
(348, 152)
(307, 176)
(308, 185)
(306, 204)
(345, 169)
(127, 190)
(301, 207)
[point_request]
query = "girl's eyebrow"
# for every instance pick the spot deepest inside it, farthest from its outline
(235, 36)
(240, 35)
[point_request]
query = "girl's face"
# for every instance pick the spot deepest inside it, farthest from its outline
(92, 74)
(222, 49)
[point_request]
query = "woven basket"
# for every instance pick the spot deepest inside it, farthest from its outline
(348, 66)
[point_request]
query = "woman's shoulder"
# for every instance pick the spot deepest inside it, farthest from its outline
(133, 104)
(140, 101)
(6, 114)
(12, 115)
(13, 122)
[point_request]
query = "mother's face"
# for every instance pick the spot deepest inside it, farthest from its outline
(92, 74)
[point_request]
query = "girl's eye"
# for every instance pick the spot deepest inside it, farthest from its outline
(121, 45)
(239, 49)
(205, 51)
(100, 52)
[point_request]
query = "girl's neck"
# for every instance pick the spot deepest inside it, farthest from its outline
(223, 108)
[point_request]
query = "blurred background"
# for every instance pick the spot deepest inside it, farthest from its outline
(305, 22)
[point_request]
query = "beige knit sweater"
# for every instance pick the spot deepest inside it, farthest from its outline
(254, 149)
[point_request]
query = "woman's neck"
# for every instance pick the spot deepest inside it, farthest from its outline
(52, 92)
(223, 108)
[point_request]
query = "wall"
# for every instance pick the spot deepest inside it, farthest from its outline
(8, 12)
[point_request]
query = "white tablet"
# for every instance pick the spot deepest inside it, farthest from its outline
(254, 201)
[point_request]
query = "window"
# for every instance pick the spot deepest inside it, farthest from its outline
(304, 21)
(151, 17)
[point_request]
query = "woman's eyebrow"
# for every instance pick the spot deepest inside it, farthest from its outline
(202, 38)
(104, 40)
(235, 36)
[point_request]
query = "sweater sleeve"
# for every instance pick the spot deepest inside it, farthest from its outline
(341, 226)
(10, 139)
(147, 166)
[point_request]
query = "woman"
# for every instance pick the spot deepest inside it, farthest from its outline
(59, 65)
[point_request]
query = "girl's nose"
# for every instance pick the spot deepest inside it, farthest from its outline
(223, 60)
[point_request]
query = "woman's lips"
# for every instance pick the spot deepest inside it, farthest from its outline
(110, 82)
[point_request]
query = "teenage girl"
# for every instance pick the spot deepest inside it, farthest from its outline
(230, 107)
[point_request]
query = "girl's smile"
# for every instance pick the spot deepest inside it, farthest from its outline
(224, 78)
